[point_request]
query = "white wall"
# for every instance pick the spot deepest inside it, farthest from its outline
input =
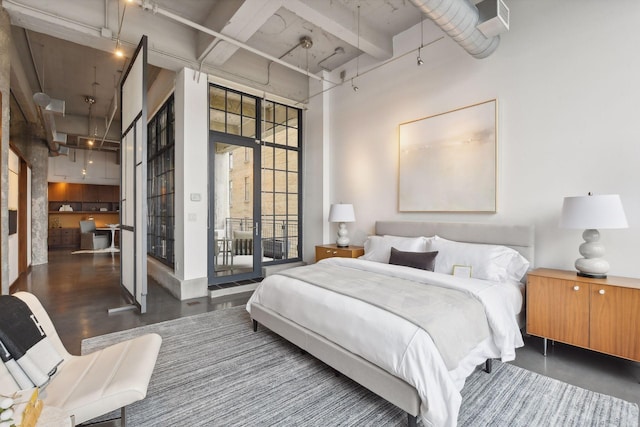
(191, 163)
(566, 80)
(316, 178)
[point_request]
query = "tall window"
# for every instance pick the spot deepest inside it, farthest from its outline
(160, 184)
(281, 179)
(280, 134)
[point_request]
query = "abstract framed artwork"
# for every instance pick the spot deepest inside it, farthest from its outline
(448, 162)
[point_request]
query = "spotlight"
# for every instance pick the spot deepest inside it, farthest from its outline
(354, 87)
(419, 61)
(118, 51)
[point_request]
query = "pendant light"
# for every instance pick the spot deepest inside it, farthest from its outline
(41, 98)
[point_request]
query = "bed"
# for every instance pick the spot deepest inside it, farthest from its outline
(423, 380)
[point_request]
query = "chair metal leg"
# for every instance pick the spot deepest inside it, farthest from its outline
(488, 365)
(255, 326)
(123, 418)
(412, 421)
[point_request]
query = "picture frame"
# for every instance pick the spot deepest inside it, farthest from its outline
(462, 271)
(448, 161)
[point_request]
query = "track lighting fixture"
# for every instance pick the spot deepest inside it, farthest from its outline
(419, 60)
(354, 87)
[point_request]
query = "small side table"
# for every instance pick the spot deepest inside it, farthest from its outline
(113, 228)
(332, 250)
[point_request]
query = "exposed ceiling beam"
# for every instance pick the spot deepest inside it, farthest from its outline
(20, 86)
(153, 8)
(334, 18)
(79, 125)
(55, 24)
(244, 22)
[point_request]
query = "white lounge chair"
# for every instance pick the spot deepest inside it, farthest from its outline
(95, 384)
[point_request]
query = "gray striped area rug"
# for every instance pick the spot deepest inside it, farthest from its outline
(213, 370)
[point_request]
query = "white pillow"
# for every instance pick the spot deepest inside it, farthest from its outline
(378, 248)
(489, 262)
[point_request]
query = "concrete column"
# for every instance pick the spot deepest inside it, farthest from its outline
(5, 80)
(26, 137)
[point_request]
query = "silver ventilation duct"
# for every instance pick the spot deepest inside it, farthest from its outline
(459, 18)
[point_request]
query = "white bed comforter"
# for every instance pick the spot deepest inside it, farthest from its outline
(393, 343)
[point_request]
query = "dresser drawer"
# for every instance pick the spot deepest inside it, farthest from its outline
(329, 251)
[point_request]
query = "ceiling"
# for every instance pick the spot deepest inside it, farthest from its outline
(65, 48)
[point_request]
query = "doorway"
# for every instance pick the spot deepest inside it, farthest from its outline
(235, 250)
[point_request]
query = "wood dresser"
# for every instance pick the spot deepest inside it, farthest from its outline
(597, 314)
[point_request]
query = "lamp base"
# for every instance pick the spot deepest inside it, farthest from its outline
(343, 240)
(591, 275)
(592, 265)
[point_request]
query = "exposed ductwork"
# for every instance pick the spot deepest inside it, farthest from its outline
(459, 18)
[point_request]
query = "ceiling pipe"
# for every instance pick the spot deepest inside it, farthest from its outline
(459, 18)
(114, 108)
(43, 101)
(149, 6)
(337, 51)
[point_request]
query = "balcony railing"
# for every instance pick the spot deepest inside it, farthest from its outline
(279, 236)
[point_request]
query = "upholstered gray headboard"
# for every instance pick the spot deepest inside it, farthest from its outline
(518, 237)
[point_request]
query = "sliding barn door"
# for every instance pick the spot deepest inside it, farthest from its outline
(133, 169)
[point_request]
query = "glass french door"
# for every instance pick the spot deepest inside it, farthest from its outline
(235, 252)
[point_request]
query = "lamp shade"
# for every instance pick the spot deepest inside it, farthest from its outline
(341, 212)
(591, 212)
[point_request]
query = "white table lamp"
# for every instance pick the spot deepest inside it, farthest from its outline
(592, 212)
(342, 213)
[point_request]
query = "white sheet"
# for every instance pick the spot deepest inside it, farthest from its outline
(393, 343)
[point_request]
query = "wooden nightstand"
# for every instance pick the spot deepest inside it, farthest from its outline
(598, 314)
(328, 251)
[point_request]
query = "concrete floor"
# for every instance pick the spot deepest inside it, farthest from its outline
(583, 368)
(77, 291)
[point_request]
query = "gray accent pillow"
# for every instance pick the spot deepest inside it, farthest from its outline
(421, 260)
